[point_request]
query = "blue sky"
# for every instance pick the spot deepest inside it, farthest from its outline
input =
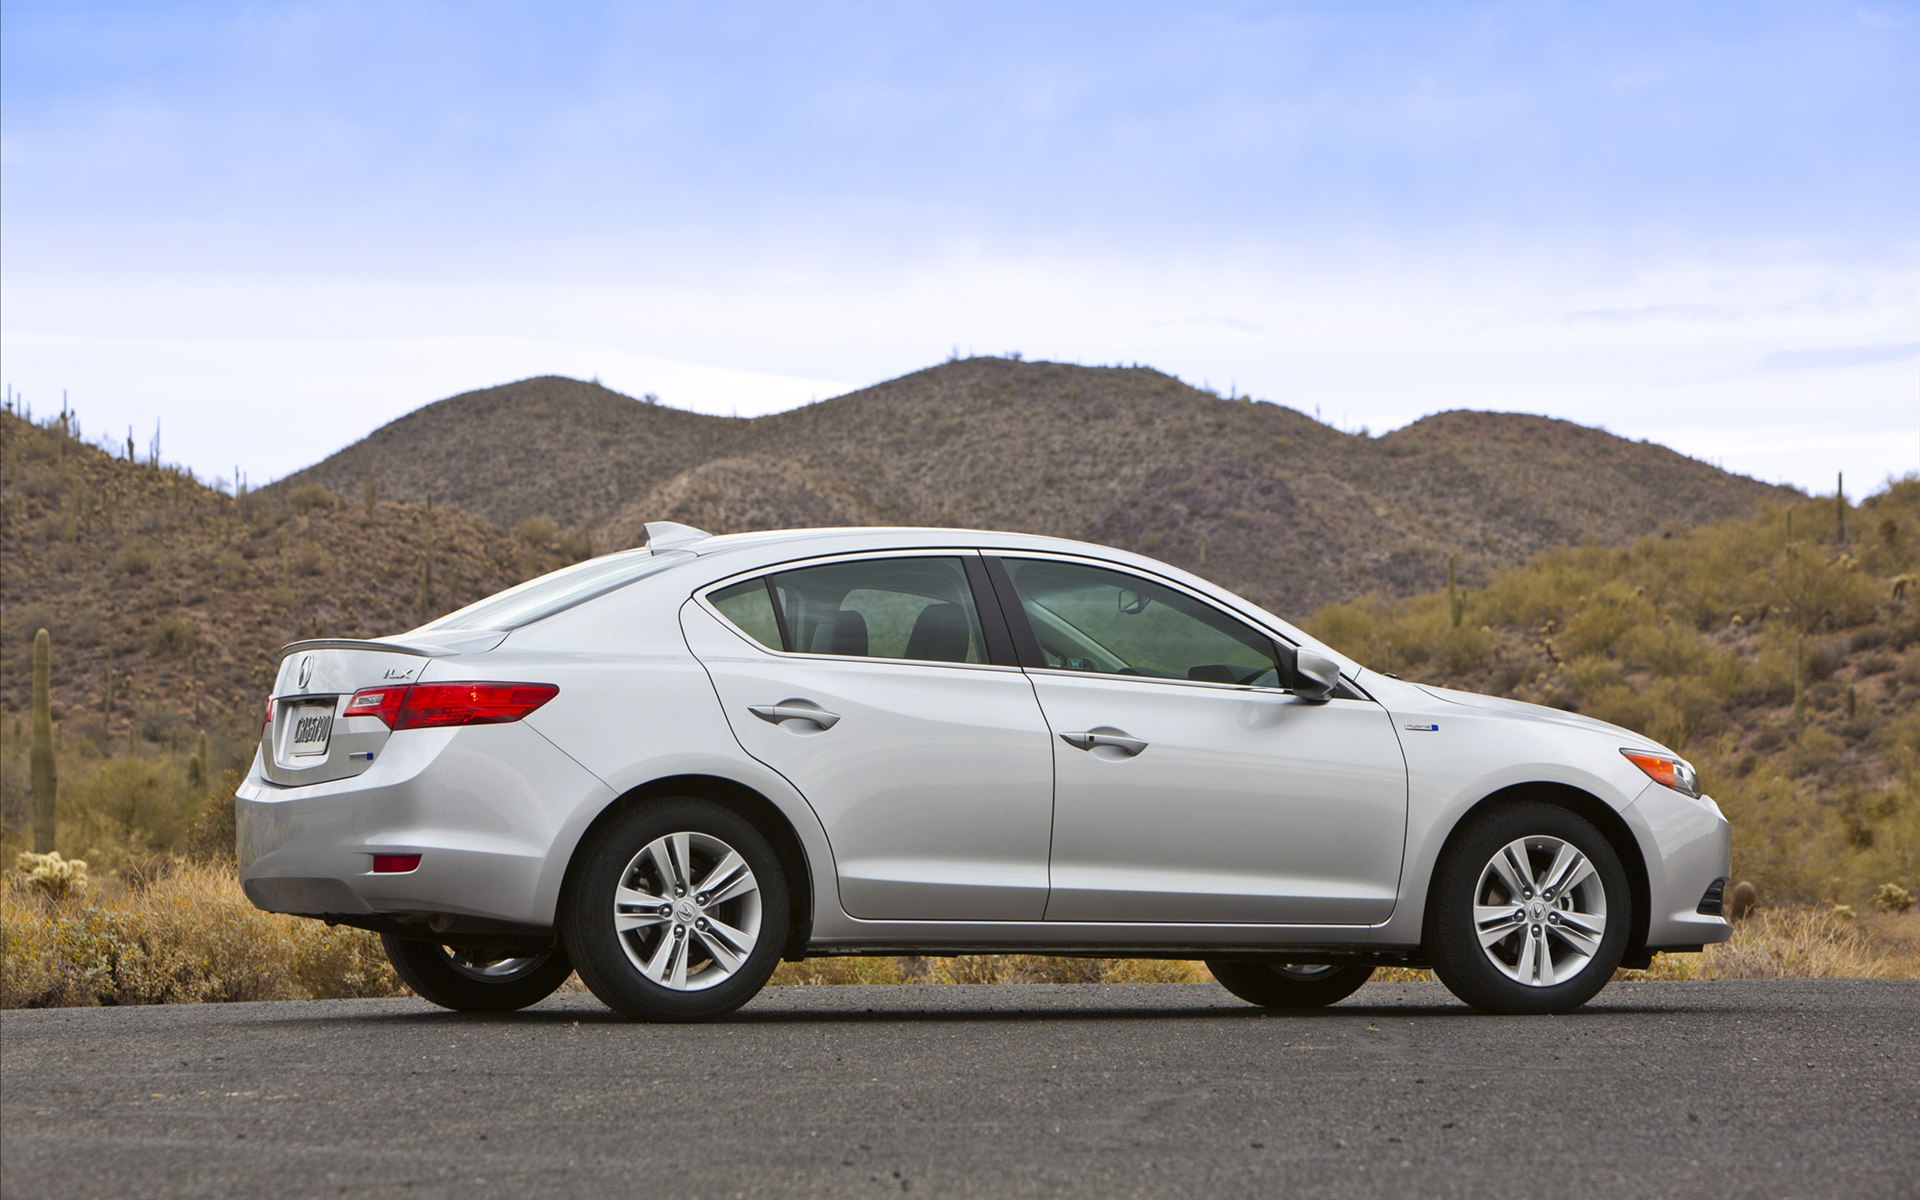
(276, 227)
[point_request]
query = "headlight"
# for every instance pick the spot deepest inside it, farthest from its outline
(1666, 770)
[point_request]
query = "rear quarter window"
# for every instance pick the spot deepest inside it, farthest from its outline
(749, 606)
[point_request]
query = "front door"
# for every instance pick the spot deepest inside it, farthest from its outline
(1189, 784)
(866, 683)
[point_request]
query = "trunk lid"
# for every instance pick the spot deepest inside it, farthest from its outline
(307, 739)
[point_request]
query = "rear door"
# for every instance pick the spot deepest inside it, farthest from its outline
(1190, 785)
(875, 686)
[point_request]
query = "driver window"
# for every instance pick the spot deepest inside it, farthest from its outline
(1110, 622)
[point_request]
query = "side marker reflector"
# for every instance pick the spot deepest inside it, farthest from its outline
(395, 864)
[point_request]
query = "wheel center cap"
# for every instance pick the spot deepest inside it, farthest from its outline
(686, 910)
(1537, 911)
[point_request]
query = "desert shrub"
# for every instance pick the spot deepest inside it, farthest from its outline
(38, 482)
(136, 559)
(212, 834)
(1891, 897)
(230, 565)
(312, 498)
(189, 936)
(575, 545)
(307, 560)
(1802, 942)
(536, 531)
(1608, 613)
(124, 808)
(172, 636)
(157, 721)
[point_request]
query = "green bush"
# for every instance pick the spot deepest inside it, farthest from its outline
(172, 636)
(312, 497)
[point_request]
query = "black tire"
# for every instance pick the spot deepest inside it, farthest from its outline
(458, 980)
(606, 958)
(1288, 984)
(1452, 939)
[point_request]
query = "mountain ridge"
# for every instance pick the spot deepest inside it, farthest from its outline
(1241, 490)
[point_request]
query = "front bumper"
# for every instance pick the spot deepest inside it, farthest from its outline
(1688, 846)
(482, 807)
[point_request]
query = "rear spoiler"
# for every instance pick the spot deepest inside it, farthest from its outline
(429, 645)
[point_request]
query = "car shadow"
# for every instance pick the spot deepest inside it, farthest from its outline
(902, 1013)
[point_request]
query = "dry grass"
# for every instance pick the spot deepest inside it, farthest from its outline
(1805, 942)
(187, 936)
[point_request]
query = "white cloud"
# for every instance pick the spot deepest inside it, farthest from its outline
(1367, 338)
(269, 408)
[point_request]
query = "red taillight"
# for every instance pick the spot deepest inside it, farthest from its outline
(395, 864)
(437, 705)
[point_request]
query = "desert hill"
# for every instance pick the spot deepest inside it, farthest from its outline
(1290, 511)
(168, 601)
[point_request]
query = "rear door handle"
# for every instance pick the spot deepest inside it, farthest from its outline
(1095, 738)
(795, 710)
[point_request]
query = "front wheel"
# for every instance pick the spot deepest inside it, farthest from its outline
(678, 912)
(1530, 911)
(1288, 984)
(476, 980)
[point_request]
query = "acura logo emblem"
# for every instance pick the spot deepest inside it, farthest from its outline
(306, 671)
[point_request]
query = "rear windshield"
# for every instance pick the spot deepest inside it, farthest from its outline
(528, 602)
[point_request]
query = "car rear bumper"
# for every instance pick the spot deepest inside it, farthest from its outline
(1687, 846)
(482, 807)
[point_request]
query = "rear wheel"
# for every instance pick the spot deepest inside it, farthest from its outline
(476, 981)
(1288, 984)
(1530, 911)
(678, 912)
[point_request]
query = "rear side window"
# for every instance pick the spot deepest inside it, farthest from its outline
(918, 608)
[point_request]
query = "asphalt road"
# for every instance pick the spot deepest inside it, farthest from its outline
(1656, 1089)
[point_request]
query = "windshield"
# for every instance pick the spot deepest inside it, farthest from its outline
(528, 602)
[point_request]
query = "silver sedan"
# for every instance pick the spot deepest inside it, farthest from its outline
(669, 768)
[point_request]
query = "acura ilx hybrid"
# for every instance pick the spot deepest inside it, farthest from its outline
(671, 767)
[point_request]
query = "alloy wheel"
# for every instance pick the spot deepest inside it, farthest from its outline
(1305, 971)
(687, 911)
(491, 970)
(1540, 911)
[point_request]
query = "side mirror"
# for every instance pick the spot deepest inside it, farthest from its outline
(1314, 676)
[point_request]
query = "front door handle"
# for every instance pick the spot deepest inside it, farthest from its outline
(795, 710)
(1095, 738)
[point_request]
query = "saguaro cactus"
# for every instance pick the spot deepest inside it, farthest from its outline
(1455, 608)
(197, 769)
(44, 782)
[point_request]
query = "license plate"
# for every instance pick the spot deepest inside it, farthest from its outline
(312, 728)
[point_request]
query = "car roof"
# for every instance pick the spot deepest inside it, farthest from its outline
(884, 537)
